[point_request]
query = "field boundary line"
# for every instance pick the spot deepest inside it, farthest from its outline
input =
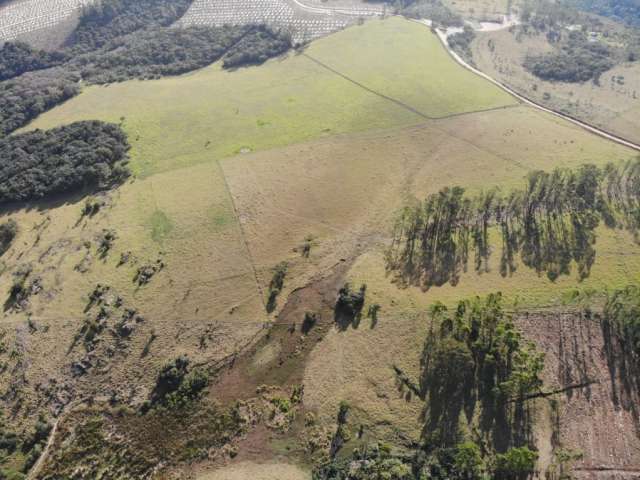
(432, 120)
(242, 232)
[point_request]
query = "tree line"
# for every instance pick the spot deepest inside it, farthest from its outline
(81, 155)
(476, 373)
(118, 40)
(549, 224)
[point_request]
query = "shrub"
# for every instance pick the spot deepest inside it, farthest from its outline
(8, 231)
(517, 463)
(276, 284)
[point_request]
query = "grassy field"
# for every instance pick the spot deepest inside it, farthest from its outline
(270, 471)
(213, 114)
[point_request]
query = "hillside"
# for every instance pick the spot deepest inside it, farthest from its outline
(192, 320)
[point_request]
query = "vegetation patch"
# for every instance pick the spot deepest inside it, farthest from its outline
(161, 226)
(435, 10)
(276, 284)
(578, 60)
(39, 164)
(24, 98)
(8, 232)
(477, 373)
(177, 385)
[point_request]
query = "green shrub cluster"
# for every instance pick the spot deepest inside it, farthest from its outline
(276, 284)
(8, 231)
(435, 10)
(177, 385)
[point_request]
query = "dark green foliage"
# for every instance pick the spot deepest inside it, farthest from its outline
(258, 45)
(276, 284)
(118, 40)
(622, 313)
(310, 320)
(515, 464)
(475, 357)
(34, 445)
(66, 159)
(17, 58)
(8, 439)
(627, 11)
(435, 10)
(578, 60)
(108, 19)
(177, 385)
(161, 51)
(550, 224)
(349, 306)
(475, 367)
(8, 231)
(24, 98)
(621, 333)
(461, 42)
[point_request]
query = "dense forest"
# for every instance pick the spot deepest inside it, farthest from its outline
(435, 10)
(550, 223)
(109, 19)
(576, 60)
(38, 164)
(156, 52)
(627, 11)
(24, 98)
(17, 58)
(474, 360)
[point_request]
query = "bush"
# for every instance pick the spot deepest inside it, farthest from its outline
(276, 284)
(8, 231)
(515, 464)
(176, 386)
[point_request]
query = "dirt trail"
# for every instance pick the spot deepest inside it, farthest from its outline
(35, 470)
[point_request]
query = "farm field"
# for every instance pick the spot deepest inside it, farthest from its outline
(305, 20)
(233, 172)
(42, 23)
(182, 121)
